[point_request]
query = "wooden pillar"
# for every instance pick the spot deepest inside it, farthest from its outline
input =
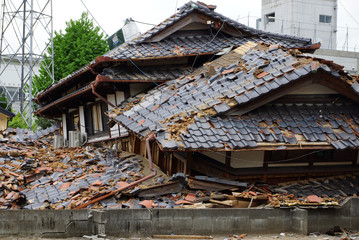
(169, 166)
(64, 127)
(82, 121)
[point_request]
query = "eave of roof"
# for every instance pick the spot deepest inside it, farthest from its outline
(7, 113)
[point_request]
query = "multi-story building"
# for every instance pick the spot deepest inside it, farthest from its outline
(309, 19)
(302, 18)
(10, 80)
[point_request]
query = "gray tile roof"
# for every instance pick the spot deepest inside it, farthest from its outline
(190, 45)
(198, 112)
(145, 73)
(172, 46)
(203, 8)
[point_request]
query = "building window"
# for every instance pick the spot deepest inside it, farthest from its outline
(325, 19)
(270, 17)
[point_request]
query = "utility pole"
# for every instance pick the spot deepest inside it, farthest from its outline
(26, 27)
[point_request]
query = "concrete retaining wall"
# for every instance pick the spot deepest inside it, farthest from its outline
(147, 222)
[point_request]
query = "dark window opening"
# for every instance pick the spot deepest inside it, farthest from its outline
(88, 121)
(270, 17)
(325, 19)
(73, 121)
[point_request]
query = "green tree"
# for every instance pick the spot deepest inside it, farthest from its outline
(80, 43)
(3, 100)
(17, 122)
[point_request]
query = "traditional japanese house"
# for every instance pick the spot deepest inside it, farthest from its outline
(177, 46)
(261, 111)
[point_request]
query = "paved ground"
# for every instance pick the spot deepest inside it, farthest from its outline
(282, 236)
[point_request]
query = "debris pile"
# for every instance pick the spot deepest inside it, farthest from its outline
(35, 176)
(205, 192)
(39, 177)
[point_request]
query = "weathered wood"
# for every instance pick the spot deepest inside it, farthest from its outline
(163, 189)
(227, 203)
(209, 185)
(177, 26)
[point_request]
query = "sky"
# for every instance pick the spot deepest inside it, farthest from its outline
(110, 14)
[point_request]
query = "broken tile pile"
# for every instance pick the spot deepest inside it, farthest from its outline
(329, 191)
(24, 135)
(204, 192)
(39, 177)
(36, 176)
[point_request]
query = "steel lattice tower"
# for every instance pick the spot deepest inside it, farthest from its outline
(26, 34)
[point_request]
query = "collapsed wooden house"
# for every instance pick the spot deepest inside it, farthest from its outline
(185, 41)
(260, 112)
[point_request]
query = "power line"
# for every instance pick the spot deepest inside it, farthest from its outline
(93, 18)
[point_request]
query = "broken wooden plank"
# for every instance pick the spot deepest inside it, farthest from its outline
(162, 189)
(194, 183)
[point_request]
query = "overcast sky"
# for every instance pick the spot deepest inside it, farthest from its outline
(110, 14)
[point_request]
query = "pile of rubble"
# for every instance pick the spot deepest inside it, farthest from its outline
(36, 176)
(204, 192)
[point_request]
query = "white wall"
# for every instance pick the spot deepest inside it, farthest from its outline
(301, 18)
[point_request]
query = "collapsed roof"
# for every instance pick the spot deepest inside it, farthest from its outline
(230, 104)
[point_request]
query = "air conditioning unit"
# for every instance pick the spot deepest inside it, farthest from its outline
(74, 139)
(58, 141)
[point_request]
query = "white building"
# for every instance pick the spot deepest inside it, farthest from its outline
(310, 19)
(10, 80)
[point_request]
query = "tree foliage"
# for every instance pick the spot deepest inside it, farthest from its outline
(3, 100)
(80, 43)
(17, 122)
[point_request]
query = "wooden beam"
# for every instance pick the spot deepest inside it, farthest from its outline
(338, 85)
(167, 188)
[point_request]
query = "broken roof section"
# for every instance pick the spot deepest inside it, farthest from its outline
(184, 34)
(226, 106)
(164, 40)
